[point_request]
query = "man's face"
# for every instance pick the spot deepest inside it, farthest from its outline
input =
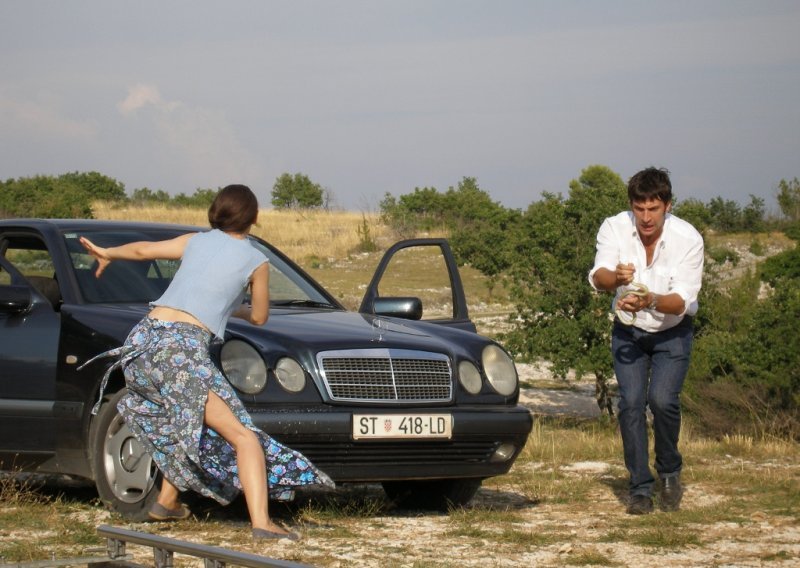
(650, 215)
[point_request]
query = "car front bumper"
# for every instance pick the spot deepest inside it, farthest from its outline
(485, 442)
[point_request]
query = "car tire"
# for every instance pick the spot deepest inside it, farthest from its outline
(126, 477)
(435, 494)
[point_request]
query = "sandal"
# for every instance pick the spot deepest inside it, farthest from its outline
(259, 534)
(159, 512)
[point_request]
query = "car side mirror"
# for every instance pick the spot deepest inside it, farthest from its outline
(406, 307)
(15, 299)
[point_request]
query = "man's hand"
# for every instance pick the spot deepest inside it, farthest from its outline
(633, 302)
(624, 274)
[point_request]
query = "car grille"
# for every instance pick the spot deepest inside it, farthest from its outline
(417, 454)
(386, 375)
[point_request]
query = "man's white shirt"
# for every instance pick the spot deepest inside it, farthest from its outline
(677, 265)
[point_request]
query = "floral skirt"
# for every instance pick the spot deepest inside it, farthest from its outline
(169, 374)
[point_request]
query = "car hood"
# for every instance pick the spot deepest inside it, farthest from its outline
(331, 330)
(295, 330)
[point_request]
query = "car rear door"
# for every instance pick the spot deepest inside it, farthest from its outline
(29, 336)
(419, 279)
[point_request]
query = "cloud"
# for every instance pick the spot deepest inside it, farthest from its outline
(199, 144)
(42, 117)
(140, 96)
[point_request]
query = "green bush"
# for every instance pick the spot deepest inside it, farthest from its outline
(745, 371)
(66, 196)
(783, 265)
(297, 191)
(559, 317)
(757, 247)
(146, 196)
(720, 255)
(694, 211)
(426, 208)
(366, 243)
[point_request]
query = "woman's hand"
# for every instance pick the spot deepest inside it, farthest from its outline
(99, 253)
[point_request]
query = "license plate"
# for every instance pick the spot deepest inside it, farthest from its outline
(402, 426)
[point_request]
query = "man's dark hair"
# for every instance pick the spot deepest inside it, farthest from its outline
(650, 183)
(234, 209)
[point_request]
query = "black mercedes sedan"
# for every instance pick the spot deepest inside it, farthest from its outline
(423, 405)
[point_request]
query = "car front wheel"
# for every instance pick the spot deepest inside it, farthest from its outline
(435, 494)
(126, 477)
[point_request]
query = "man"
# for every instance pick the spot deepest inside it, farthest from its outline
(652, 333)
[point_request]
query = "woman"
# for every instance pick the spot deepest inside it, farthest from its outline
(179, 405)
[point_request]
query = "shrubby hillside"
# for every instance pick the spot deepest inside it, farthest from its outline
(745, 373)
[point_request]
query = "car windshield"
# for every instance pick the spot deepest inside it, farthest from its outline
(127, 281)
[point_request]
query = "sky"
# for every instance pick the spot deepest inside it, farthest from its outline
(375, 97)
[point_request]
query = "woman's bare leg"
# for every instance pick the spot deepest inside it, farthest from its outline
(249, 458)
(168, 496)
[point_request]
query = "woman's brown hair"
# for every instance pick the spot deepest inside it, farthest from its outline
(234, 209)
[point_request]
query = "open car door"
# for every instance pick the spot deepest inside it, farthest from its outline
(418, 279)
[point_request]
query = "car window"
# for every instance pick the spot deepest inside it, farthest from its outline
(30, 262)
(145, 281)
(30, 257)
(124, 281)
(420, 272)
(286, 285)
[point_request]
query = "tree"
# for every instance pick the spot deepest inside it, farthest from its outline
(201, 198)
(481, 230)
(725, 214)
(143, 196)
(745, 371)
(560, 318)
(753, 215)
(96, 185)
(421, 210)
(298, 191)
(693, 211)
(66, 196)
(789, 198)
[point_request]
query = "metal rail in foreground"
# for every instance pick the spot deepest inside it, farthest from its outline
(164, 549)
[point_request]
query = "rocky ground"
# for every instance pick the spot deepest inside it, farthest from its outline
(504, 528)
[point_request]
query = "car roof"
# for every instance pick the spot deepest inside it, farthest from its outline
(94, 224)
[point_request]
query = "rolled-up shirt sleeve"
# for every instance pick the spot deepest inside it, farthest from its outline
(687, 277)
(608, 250)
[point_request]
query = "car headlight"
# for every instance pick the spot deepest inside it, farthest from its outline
(290, 374)
(470, 377)
(243, 366)
(500, 370)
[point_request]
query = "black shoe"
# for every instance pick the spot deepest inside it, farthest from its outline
(640, 505)
(671, 493)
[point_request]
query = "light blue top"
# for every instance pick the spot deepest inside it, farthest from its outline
(212, 279)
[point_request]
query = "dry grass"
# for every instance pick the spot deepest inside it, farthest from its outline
(562, 504)
(332, 246)
(306, 236)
